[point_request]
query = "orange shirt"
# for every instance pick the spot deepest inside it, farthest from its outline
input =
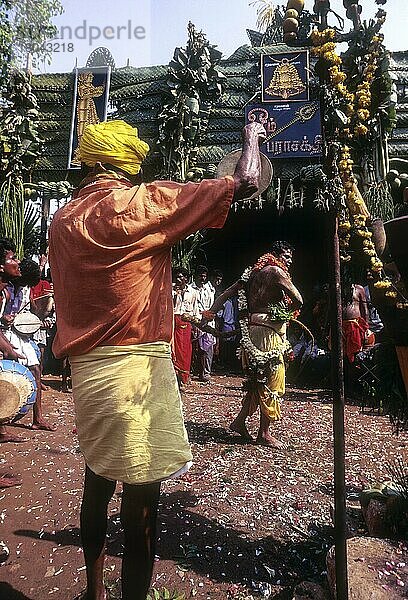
(110, 258)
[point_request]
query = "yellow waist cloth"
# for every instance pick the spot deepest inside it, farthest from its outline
(128, 413)
(267, 395)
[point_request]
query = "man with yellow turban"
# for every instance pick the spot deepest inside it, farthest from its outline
(112, 243)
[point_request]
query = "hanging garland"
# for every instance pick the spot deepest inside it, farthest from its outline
(259, 360)
(356, 106)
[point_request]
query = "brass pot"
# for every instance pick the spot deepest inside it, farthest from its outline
(296, 4)
(397, 235)
(379, 237)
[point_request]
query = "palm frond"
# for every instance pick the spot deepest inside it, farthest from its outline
(265, 11)
(31, 239)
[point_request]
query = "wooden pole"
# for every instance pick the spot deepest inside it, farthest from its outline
(338, 411)
(336, 330)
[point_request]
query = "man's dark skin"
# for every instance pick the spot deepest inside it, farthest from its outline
(139, 502)
(266, 286)
(357, 307)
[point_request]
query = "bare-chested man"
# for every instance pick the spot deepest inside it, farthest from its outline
(355, 320)
(271, 297)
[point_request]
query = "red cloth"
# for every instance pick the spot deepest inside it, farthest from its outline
(110, 257)
(353, 336)
(42, 288)
(182, 348)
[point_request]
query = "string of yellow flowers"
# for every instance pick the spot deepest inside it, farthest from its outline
(356, 108)
(363, 92)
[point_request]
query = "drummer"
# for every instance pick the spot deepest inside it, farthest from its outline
(9, 267)
(18, 290)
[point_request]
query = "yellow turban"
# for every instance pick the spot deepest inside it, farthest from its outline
(113, 142)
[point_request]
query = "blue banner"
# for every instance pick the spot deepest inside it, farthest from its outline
(293, 129)
(90, 106)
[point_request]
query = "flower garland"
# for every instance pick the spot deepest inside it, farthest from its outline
(272, 260)
(259, 360)
(356, 107)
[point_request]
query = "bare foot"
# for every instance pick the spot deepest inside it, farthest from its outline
(43, 425)
(9, 437)
(268, 441)
(44, 387)
(7, 480)
(241, 429)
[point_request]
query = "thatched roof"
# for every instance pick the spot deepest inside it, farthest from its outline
(138, 94)
(398, 147)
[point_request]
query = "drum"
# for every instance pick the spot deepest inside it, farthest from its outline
(17, 390)
(26, 323)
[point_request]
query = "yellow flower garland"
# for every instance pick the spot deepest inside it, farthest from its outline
(356, 107)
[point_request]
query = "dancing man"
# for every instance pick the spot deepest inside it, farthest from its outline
(267, 300)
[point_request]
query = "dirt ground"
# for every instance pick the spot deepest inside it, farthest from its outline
(245, 522)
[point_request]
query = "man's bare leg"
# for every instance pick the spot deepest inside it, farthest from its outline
(65, 373)
(264, 438)
(42, 351)
(238, 424)
(6, 436)
(94, 515)
(138, 516)
(38, 420)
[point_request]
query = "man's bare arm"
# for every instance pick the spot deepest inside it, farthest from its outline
(248, 169)
(208, 315)
(7, 349)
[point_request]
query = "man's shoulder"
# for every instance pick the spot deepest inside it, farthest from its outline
(271, 271)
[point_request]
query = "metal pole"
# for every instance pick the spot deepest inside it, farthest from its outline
(338, 411)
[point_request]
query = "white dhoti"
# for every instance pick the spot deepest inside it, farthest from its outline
(23, 345)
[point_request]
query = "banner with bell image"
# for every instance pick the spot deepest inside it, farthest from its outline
(293, 130)
(90, 105)
(285, 76)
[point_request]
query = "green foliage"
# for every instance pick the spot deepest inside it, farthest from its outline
(30, 23)
(194, 84)
(165, 594)
(265, 13)
(184, 253)
(31, 234)
(6, 40)
(12, 211)
(20, 147)
(379, 201)
(20, 143)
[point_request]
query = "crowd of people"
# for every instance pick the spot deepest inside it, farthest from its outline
(196, 348)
